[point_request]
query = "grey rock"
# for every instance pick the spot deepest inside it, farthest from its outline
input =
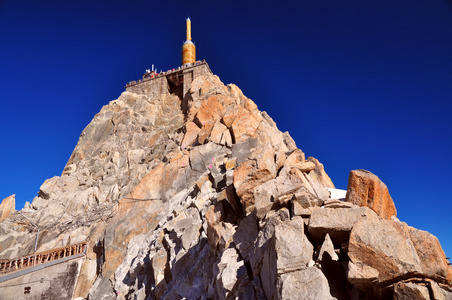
(46, 188)
(309, 284)
(337, 222)
(243, 150)
(276, 192)
(69, 169)
(328, 247)
(102, 289)
(288, 140)
(202, 157)
(192, 283)
(319, 189)
(293, 249)
(231, 273)
(335, 203)
(380, 251)
(246, 234)
(305, 199)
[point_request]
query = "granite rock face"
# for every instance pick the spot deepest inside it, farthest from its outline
(366, 189)
(7, 206)
(202, 197)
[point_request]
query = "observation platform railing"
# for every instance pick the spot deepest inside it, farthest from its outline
(7, 266)
(154, 75)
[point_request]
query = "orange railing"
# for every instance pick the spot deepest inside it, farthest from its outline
(31, 260)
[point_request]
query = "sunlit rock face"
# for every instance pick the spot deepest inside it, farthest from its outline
(366, 189)
(202, 197)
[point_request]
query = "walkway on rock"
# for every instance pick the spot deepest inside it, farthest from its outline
(18, 267)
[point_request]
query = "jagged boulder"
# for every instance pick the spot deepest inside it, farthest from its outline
(366, 189)
(309, 283)
(387, 251)
(410, 291)
(337, 222)
(7, 206)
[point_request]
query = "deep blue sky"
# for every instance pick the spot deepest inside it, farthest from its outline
(357, 83)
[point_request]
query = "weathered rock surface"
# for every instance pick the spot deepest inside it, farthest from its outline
(202, 197)
(337, 222)
(366, 189)
(386, 251)
(410, 291)
(328, 249)
(381, 246)
(309, 283)
(7, 206)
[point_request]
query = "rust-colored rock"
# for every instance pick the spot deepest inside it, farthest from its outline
(246, 178)
(138, 212)
(179, 160)
(217, 132)
(204, 134)
(191, 134)
(244, 126)
(366, 189)
(266, 159)
(230, 116)
(7, 207)
(433, 260)
(210, 110)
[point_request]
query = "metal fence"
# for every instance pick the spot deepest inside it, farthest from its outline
(31, 260)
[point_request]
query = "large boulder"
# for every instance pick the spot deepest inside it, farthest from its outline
(309, 283)
(337, 222)
(433, 260)
(366, 189)
(380, 251)
(7, 206)
(293, 249)
(275, 193)
(191, 134)
(244, 125)
(247, 176)
(211, 109)
(386, 251)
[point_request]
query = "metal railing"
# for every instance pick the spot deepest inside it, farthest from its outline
(168, 72)
(31, 260)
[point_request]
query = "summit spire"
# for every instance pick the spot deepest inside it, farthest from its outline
(188, 49)
(188, 29)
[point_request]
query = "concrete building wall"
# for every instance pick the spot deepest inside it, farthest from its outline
(55, 282)
(155, 86)
(159, 85)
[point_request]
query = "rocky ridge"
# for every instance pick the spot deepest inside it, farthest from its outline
(204, 198)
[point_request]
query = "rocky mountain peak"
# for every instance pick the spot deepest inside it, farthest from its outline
(183, 189)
